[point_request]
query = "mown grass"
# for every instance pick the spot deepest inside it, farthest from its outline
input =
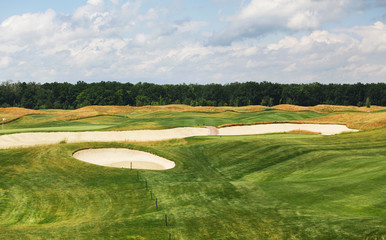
(275, 186)
(181, 119)
(147, 120)
(46, 194)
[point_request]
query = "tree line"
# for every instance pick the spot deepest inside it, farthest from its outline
(71, 96)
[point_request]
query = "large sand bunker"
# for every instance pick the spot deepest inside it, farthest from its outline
(33, 139)
(324, 129)
(123, 158)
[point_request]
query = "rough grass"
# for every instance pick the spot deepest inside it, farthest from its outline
(12, 113)
(323, 108)
(91, 111)
(303, 132)
(93, 118)
(278, 186)
(360, 121)
(147, 120)
(274, 186)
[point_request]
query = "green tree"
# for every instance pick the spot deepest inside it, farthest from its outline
(263, 102)
(141, 100)
(368, 103)
(270, 102)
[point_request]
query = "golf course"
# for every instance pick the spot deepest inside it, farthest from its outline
(212, 184)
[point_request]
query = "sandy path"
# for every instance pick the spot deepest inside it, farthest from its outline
(124, 158)
(33, 139)
(213, 131)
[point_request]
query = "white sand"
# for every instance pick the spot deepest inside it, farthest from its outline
(123, 158)
(38, 138)
(34, 139)
(324, 129)
(126, 158)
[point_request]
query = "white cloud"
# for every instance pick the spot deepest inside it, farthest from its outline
(95, 2)
(287, 42)
(4, 62)
(366, 70)
(374, 37)
(263, 16)
(27, 26)
(355, 54)
(125, 41)
(189, 26)
(290, 67)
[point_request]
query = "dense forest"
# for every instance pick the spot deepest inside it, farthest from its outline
(70, 96)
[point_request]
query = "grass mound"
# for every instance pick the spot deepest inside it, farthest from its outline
(360, 121)
(87, 119)
(323, 108)
(304, 132)
(13, 113)
(97, 118)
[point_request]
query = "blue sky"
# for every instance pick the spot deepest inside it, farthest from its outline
(186, 41)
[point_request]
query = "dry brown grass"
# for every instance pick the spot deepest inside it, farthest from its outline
(12, 113)
(252, 123)
(139, 126)
(333, 108)
(357, 120)
(322, 108)
(169, 142)
(92, 111)
(290, 108)
(186, 108)
(354, 117)
(304, 132)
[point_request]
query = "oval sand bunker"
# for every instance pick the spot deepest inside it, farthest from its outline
(123, 158)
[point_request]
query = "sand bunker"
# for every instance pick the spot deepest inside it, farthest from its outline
(33, 139)
(324, 129)
(123, 158)
(44, 138)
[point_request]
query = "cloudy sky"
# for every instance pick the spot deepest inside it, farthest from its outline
(193, 41)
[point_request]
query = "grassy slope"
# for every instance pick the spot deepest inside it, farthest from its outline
(47, 194)
(150, 120)
(272, 187)
(97, 118)
(278, 186)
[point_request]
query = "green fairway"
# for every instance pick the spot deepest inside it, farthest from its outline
(275, 186)
(151, 120)
(48, 123)
(183, 119)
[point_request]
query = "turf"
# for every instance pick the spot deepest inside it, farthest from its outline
(181, 119)
(147, 120)
(275, 186)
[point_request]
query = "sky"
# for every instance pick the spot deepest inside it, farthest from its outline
(193, 41)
